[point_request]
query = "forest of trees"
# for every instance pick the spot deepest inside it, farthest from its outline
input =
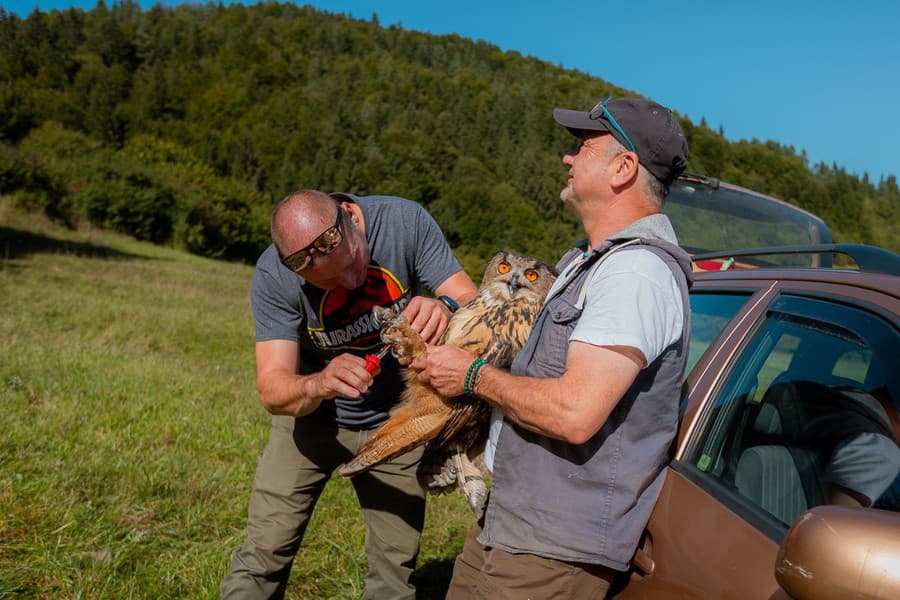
(185, 125)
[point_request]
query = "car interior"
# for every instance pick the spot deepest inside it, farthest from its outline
(803, 390)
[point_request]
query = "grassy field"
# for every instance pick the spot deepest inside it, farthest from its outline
(131, 428)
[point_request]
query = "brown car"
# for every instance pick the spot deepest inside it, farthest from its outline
(784, 477)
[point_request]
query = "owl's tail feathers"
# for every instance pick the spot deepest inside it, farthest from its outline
(470, 479)
(442, 472)
(399, 434)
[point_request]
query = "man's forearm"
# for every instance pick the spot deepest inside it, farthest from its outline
(572, 407)
(289, 394)
(531, 402)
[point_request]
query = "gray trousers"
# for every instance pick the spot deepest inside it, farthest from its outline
(296, 465)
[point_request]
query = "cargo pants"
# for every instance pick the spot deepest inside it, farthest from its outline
(483, 573)
(300, 457)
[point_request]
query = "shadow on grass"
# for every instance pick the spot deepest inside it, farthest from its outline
(433, 578)
(16, 243)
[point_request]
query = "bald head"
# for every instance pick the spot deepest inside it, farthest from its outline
(300, 217)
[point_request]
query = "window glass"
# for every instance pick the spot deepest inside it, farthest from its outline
(804, 418)
(777, 361)
(852, 365)
(708, 218)
(710, 312)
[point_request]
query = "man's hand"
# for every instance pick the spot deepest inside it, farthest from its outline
(428, 317)
(345, 375)
(283, 392)
(444, 368)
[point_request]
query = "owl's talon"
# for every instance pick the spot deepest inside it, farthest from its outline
(397, 333)
(382, 317)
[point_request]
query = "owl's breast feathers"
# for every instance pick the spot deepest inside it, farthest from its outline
(495, 332)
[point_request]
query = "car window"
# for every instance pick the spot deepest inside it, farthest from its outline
(708, 216)
(804, 416)
(710, 312)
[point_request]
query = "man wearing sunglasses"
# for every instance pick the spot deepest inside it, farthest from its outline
(333, 258)
(585, 416)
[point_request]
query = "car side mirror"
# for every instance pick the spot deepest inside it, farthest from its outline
(833, 552)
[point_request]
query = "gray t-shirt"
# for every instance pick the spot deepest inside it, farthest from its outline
(408, 252)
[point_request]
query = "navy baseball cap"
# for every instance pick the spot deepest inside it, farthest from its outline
(648, 129)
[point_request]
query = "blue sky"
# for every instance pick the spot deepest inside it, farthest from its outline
(819, 75)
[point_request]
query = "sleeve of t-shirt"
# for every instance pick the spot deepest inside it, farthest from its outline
(867, 464)
(434, 260)
(275, 301)
(632, 300)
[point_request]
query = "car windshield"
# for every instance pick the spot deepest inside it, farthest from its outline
(710, 216)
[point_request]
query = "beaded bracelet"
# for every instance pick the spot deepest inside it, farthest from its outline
(477, 380)
(471, 374)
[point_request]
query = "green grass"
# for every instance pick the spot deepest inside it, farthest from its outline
(131, 428)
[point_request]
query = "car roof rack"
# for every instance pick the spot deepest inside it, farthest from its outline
(869, 259)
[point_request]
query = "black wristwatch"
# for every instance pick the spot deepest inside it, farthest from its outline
(449, 303)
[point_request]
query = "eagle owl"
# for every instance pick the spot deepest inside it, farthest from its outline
(494, 326)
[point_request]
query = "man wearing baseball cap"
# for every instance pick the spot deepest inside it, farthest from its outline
(585, 416)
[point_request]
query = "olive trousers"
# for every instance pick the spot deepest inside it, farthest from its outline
(298, 461)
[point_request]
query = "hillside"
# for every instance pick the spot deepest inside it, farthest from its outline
(183, 125)
(131, 428)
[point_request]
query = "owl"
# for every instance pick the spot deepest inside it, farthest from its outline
(494, 326)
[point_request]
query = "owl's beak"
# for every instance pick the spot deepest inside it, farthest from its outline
(513, 285)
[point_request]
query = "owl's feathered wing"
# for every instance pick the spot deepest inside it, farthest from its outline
(424, 415)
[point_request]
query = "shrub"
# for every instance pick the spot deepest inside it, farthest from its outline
(130, 202)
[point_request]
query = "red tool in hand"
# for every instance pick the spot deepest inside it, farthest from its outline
(373, 361)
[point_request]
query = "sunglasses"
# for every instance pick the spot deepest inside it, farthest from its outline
(326, 243)
(601, 112)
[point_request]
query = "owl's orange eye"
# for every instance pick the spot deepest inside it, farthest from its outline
(503, 267)
(531, 275)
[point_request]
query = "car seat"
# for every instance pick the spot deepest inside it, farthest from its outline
(775, 471)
